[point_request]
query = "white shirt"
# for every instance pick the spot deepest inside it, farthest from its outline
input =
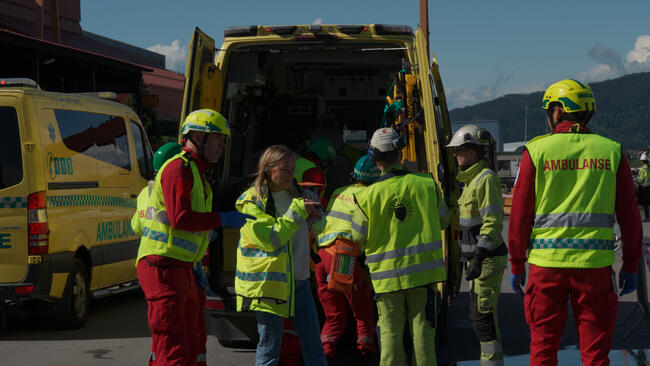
(300, 239)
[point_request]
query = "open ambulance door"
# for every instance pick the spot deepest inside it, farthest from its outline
(440, 162)
(203, 79)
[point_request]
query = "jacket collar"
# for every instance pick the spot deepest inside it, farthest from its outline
(200, 164)
(568, 126)
(468, 174)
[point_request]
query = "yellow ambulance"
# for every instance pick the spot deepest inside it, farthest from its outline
(290, 84)
(71, 166)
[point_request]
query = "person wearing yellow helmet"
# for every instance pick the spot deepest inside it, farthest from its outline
(573, 185)
(176, 227)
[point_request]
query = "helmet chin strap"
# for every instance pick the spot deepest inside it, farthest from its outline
(200, 148)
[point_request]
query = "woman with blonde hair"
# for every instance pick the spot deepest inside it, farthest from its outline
(272, 276)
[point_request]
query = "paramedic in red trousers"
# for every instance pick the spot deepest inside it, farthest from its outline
(338, 226)
(175, 235)
(573, 185)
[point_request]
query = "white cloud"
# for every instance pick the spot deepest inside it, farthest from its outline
(175, 55)
(641, 51)
(317, 21)
(598, 73)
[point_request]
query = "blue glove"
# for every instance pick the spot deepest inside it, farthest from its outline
(627, 282)
(234, 219)
(200, 278)
(516, 281)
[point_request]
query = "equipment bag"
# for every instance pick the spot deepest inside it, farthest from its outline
(341, 274)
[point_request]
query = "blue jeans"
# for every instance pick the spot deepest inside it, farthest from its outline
(270, 327)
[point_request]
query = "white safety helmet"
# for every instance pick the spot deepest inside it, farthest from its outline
(644, 156)
(470, 134)
(384, 140)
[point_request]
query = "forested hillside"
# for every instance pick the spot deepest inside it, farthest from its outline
(622, 112)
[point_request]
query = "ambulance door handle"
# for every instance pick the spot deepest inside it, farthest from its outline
(134, 195)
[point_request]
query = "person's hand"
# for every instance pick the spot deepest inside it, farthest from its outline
(474, 269)
(314, 209)
(516, 281)
(234, 219)
(627, 282)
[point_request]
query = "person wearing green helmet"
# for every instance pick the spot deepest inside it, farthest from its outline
(338, 232)
(311, 167)
(176, 228)
(573, 185)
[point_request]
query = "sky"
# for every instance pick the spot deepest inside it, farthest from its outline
(485, 49)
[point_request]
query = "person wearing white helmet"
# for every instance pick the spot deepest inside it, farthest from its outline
(482, 248)
(643, 181)
(397, 222)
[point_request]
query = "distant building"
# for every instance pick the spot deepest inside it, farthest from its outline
(43, 40)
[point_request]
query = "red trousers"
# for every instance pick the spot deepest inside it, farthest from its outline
(335, 306)
(175, 311)
(593, 301)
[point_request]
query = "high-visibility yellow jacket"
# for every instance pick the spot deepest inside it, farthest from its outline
(264, 279)
(398, 222)
(141, 208)
(159, 237)
(643, 179)
(573, 228)
(481, 212)
(338, 219)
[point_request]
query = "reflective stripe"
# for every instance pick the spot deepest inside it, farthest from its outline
(467, 248)
(261, 276)
(437, 263)
(145, 231)
(492, 362)
(150, 187)
(201, 357)
(339, 215)
(275, 238)
(259, 253)
(158, 236)
(484, 174)
(366, 339)
(591, 244)
(153, 356)
(471, 222)
(401, 252)
(488, 244)
(160, 217)
(498, 209)
(293, 215)
(444, 210)
(363, 230)
(330, 236)
(185, 244)
(491, 348)
(574, 220)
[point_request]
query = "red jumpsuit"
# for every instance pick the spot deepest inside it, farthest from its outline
(335, 306)
(591, 291)
(175, 302)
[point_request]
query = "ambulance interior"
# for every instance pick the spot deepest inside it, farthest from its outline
(291, 93)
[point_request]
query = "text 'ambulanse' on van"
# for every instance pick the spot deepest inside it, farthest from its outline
(289, 84)
(71, 166)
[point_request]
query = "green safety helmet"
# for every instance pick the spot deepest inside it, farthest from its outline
(366, 170)
(205, 120)
(164, 153)
(323, 150)
(572, 94)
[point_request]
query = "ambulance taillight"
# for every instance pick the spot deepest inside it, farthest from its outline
(39, 232)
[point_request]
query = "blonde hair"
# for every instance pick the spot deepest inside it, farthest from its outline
(271, 156)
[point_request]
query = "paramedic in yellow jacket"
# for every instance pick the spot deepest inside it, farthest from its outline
(272, 276)
(398, 221)
(482, 248)
(338, 249)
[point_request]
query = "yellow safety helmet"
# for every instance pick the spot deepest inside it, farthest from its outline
(205, 120)
(572, 94)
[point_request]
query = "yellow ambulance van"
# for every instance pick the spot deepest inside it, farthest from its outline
(71, 166)
(290, 84)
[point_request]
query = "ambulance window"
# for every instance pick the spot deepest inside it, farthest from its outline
(11, 161)
(142, 152)
(100, 136)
